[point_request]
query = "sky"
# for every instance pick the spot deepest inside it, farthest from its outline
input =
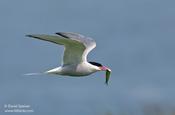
(134, 38)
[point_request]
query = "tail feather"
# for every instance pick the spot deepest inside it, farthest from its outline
(31, 74)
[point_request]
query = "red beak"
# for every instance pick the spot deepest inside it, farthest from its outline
(103, 68)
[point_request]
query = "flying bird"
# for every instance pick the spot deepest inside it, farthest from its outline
(76, 50)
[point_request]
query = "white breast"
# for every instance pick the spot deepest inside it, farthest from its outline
(81, 69)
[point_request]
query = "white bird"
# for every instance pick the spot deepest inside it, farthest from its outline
(76, 50)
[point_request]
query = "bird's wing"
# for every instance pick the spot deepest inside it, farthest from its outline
(77, 52)
(77, 46)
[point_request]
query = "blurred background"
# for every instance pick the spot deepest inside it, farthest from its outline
(135, 38)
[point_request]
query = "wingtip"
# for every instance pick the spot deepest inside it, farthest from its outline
(28, 35)
(31, 36)
(57, 32)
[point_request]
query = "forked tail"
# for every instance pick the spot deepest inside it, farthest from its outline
(31, 74)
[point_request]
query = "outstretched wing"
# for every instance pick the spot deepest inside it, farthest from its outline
(76, 46)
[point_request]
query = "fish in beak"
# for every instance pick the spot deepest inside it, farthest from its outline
(108, 73)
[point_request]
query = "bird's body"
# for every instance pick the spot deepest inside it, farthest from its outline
(76, 70)
(76, 50)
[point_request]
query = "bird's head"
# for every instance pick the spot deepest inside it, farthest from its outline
(103, 68)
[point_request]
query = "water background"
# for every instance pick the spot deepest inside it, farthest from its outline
(136, 39)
